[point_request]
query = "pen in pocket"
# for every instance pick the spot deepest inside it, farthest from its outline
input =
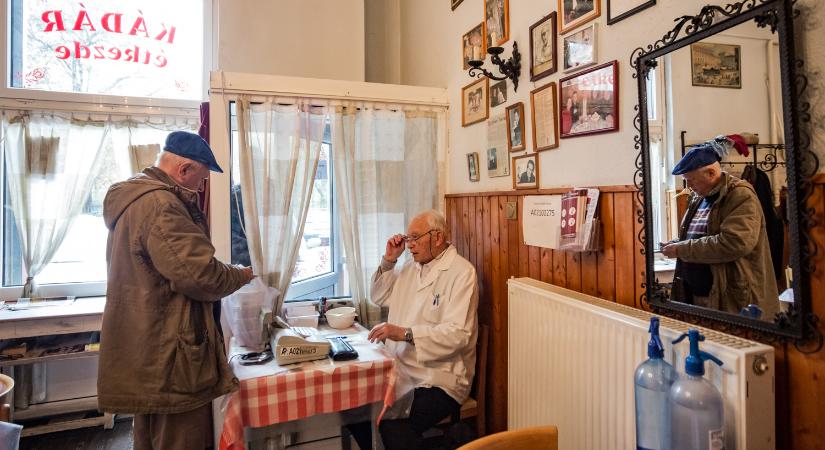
(435, 300)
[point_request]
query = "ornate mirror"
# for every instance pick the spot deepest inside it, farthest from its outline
(720, 105)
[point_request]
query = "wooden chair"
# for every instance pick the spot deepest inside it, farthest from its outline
(474, 406)
(537, 438)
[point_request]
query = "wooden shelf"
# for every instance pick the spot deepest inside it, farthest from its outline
(47, 358)
(55, 408)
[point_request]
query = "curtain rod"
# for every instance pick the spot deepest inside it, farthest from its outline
(340, 98)
(98, 108)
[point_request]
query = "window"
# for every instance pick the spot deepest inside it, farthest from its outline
(136, 48)
(319, 269)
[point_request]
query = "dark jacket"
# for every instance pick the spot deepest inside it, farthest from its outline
(736, 248)
(160, 349)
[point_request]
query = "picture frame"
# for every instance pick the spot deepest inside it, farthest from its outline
(525, 176)
(514, 115)
(580, 48)
(454, 4)
(496, 22)
(544, 109)
(472, 45)
(618, 10)
(543, 51)
(497, 147)
(498, 93)
(716, 65)
(589, 101)
(472, 166)
(474, 104)
(573, 13)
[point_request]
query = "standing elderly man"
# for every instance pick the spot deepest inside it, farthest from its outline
(431, 329)
(161, 352)
(723, 257)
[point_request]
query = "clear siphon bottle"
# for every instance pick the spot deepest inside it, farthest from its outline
(697, 416)
(652, 382)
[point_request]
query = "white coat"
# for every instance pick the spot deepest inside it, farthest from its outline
(441, 308)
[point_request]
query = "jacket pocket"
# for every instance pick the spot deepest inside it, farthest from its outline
(195, 367)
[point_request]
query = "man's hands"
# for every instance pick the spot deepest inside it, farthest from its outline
(384, 331)
(395, 247)
(669, 250)
(248, 275)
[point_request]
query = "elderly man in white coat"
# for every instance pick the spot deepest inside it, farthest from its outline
(432, 326)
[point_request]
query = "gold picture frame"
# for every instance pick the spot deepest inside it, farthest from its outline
(525, 176)
(496, 22)
(475, 104)
(514, 115)
(544, 111)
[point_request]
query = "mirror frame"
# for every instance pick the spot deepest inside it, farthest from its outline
(799, 323)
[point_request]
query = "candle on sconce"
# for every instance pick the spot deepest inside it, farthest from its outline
(493, 39)
(477, 52)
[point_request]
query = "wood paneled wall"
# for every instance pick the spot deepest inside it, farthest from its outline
(482, 234)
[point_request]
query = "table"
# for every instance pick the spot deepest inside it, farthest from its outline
(270, 394)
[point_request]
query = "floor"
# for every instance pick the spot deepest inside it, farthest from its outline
(118, 438)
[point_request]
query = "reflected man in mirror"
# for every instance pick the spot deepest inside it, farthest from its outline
(723, 257)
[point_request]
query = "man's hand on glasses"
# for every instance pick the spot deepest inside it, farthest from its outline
(395, 247)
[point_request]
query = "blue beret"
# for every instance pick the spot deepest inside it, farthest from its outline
(191, 146)
(699, 156)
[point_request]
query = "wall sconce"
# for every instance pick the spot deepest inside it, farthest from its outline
(510, 68)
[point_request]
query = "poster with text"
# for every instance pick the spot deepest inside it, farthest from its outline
(498, 157)
(540, 218)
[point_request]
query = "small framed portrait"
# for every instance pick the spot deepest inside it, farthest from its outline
(573, 13)
(622, 9)
(543, 53)
(590, 101)
(496, 22)
(474, 105)
(454, 4)
(716, 65)
(515, 127)
(472, 166)
(580, 49)
(472, 45)
(498, 93)
(544, 104)
(526, 171)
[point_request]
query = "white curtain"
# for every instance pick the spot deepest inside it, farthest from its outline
(386, 171)
(51, 163)
(136, 141)
(279, 147)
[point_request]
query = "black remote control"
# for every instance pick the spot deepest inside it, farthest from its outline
(341, 350)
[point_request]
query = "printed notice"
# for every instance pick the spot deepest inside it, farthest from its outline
(540, 218)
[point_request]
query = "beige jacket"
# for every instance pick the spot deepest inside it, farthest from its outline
(736, 248)
(160, 349)
(441, 307)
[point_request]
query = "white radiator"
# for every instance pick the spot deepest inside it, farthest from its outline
(572, 358)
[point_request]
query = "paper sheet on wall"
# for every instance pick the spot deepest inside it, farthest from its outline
(498, 157)
(540, 219)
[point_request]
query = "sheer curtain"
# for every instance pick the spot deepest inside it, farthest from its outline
(279, 147)
(51, 163)
(386, 171)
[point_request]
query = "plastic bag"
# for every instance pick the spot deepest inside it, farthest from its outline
(243, 312)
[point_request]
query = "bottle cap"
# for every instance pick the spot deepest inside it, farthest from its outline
(655, 349)
(695, 361)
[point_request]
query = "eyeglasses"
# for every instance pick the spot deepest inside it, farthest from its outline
(414, 238)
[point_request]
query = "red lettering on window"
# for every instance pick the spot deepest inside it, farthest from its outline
(52, 24)
(140, 25)
(63, 52)
(161, 35)
(106, 22)
(83, 20)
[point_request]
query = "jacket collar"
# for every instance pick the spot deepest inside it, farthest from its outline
(439, 264)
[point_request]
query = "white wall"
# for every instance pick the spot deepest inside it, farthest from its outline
(605, 159)
(301, 38)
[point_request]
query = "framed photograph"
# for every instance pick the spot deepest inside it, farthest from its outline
(544, 104)
(573, 13)
(543, 53)
(580, 49)
(526, 171)
(590, 101)
(622, 9)
(472, 45)
(498, 158)
(472, 166)
(454, 4)
(716, 65)
(498, 93)
(496, 22)
(474, 105)
(515, 127)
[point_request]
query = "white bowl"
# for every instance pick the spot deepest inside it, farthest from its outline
(341, 311)
(6, 385)
(341, 317)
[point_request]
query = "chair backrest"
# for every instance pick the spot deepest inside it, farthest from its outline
(537, 438)
(480, 382)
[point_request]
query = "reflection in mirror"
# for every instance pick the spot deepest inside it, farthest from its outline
(719, 184)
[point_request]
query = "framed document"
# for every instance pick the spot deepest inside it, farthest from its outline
(544, 104)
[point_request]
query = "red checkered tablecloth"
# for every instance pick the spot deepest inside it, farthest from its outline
(300, 393)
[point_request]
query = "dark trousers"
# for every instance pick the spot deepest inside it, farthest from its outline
(429, 407)
(190, 430)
